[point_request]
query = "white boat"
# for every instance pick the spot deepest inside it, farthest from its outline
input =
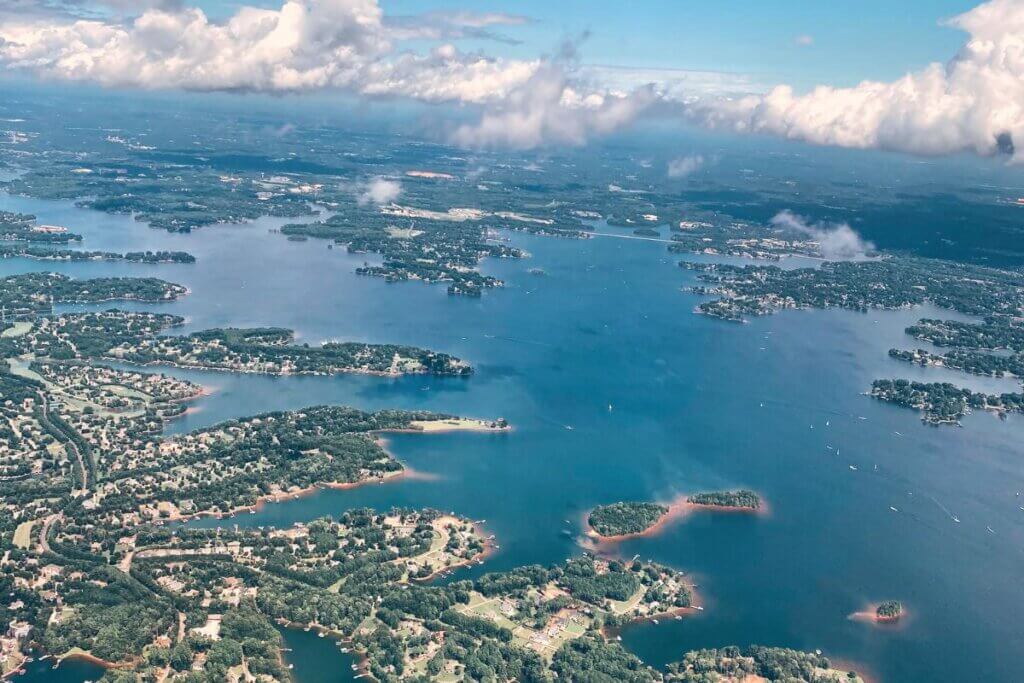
(853, 467)
(956, 519)
(655, 621)
(893, 509)
(990, 530)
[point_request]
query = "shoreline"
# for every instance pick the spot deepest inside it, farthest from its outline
(696, 607)
(869, 615)
(490, 549)
(678, 509)
(301, 373)
(362, 659)
(378, 436)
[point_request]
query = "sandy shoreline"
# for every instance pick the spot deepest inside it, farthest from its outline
(405, 472)
(869, 615)
(301, 373)
(678, 509)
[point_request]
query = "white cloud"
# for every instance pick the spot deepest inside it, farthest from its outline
(304, 45)
(804, 40)
(671, 84)
(973, 103)
(548, 108)
(444, 25)
(379, 191)
(684, 166)
(308, 45)
(836, 241)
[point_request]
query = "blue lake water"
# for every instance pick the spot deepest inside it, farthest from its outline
(661, 402)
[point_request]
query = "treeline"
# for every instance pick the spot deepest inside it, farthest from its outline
(33, 292)
(728, 499)
(942, 402)
(47, 254)
(768, 663)
(620, 519)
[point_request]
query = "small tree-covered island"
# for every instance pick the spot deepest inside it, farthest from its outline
(623, 519)
(740, 500)
(890, 610)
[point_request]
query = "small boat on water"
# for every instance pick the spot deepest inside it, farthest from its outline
(893, 509)
(853, 467)
(655, 621)
(956, 519)
(322, 635)
(990, 530)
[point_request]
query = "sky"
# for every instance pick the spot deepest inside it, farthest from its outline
(919, 77)
(849, 42)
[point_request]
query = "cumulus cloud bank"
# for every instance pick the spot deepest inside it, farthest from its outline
(974, 103)
(837, 241)
(379, 191)
(306, 45)
(684, 166)
(549, 107)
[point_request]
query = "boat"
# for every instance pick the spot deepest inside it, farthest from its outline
(956, 519)
(321, 635)
(853, 467)
(655, 621)
(893, 509)
(990, 530)
(699, 608)
(569, 428)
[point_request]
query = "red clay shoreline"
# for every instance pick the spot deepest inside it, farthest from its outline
(678, 509)
(869, 615)
(405, 472)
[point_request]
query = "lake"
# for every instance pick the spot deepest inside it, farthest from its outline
(618, 391)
